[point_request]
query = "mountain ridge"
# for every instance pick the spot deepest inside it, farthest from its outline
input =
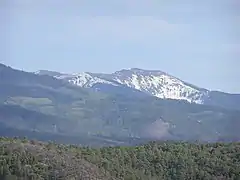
(121, 112)
(154, 83)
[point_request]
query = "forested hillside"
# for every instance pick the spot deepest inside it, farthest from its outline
(153, 161)
(170, 160)
(33, 160)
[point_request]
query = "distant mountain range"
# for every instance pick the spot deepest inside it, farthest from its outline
(126, 106)
(154, 83)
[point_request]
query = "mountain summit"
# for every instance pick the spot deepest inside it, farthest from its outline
(150, 82)
(159, 84)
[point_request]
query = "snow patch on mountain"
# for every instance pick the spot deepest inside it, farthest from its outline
(85, 79)
(160, 84)
(155, 83)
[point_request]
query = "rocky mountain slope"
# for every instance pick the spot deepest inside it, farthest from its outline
(154, 83)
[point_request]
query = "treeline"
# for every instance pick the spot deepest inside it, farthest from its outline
(23, 159)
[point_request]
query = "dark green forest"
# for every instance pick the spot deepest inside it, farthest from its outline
(31, 160)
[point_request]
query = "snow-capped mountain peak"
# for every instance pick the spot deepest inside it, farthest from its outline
(88, 80)
(82, 79)
(159, 84)
(152, 82)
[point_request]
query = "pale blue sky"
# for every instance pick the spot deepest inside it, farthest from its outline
(197, 41)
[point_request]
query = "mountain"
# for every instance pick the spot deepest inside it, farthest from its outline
(150, 82)
(159, 84)
(155, 83)
(53, 106)
(94, 81)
